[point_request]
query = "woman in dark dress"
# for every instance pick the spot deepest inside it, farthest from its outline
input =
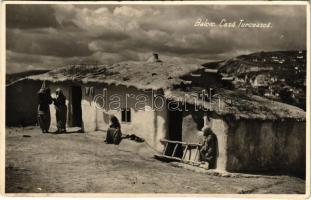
(114, 131)
(61, 111)
(44, 116)
(209, 151)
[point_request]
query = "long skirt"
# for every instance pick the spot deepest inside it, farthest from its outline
(113, 136)
(44, 120)
(61, 118)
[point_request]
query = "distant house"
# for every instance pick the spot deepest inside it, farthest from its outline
(274, 79)
(254, 134)
(254, 69)
(260, 80)
(278, 60)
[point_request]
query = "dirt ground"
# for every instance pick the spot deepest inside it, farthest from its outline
(82, 162)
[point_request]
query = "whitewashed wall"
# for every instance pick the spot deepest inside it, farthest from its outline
(254, 145)
(148, 124)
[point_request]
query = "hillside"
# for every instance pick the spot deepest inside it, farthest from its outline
(15, 76)
(279, 75)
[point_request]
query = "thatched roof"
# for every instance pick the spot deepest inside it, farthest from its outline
(163, 75)
(241, 106)
(142, 75)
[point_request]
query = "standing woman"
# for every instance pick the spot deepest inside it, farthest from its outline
(61, 111)
(44, 116)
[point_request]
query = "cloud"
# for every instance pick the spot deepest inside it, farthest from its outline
(113, 33)
(17, 62)
(169, 30)
(49, 41)
(30, 16)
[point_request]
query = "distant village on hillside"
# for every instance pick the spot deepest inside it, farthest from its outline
(278, 75)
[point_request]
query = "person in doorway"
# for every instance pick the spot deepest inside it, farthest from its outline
(61, 111)
(44, 116)
(208, 152)
(114, 131)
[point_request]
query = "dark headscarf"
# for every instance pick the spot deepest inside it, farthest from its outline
(47, 91)
(114, 122)
(60, 99)
(207, 131)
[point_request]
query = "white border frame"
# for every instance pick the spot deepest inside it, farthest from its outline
(2, 100)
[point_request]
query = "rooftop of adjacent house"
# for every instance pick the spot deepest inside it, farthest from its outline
(241, 105)
(153, 74)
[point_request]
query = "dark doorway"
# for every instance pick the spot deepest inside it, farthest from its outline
(174, 131)
(175, 125)
(76, 96)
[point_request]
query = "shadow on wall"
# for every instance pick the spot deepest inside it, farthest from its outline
(21, 103)
(192, 124)
(155, 125)
(214, 165)
(199, 120)
(267, 147)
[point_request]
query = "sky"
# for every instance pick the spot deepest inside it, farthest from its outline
(50, 36)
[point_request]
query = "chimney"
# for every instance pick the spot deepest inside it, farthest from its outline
(154, 58)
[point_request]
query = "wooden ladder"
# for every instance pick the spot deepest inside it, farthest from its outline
(185, 146)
